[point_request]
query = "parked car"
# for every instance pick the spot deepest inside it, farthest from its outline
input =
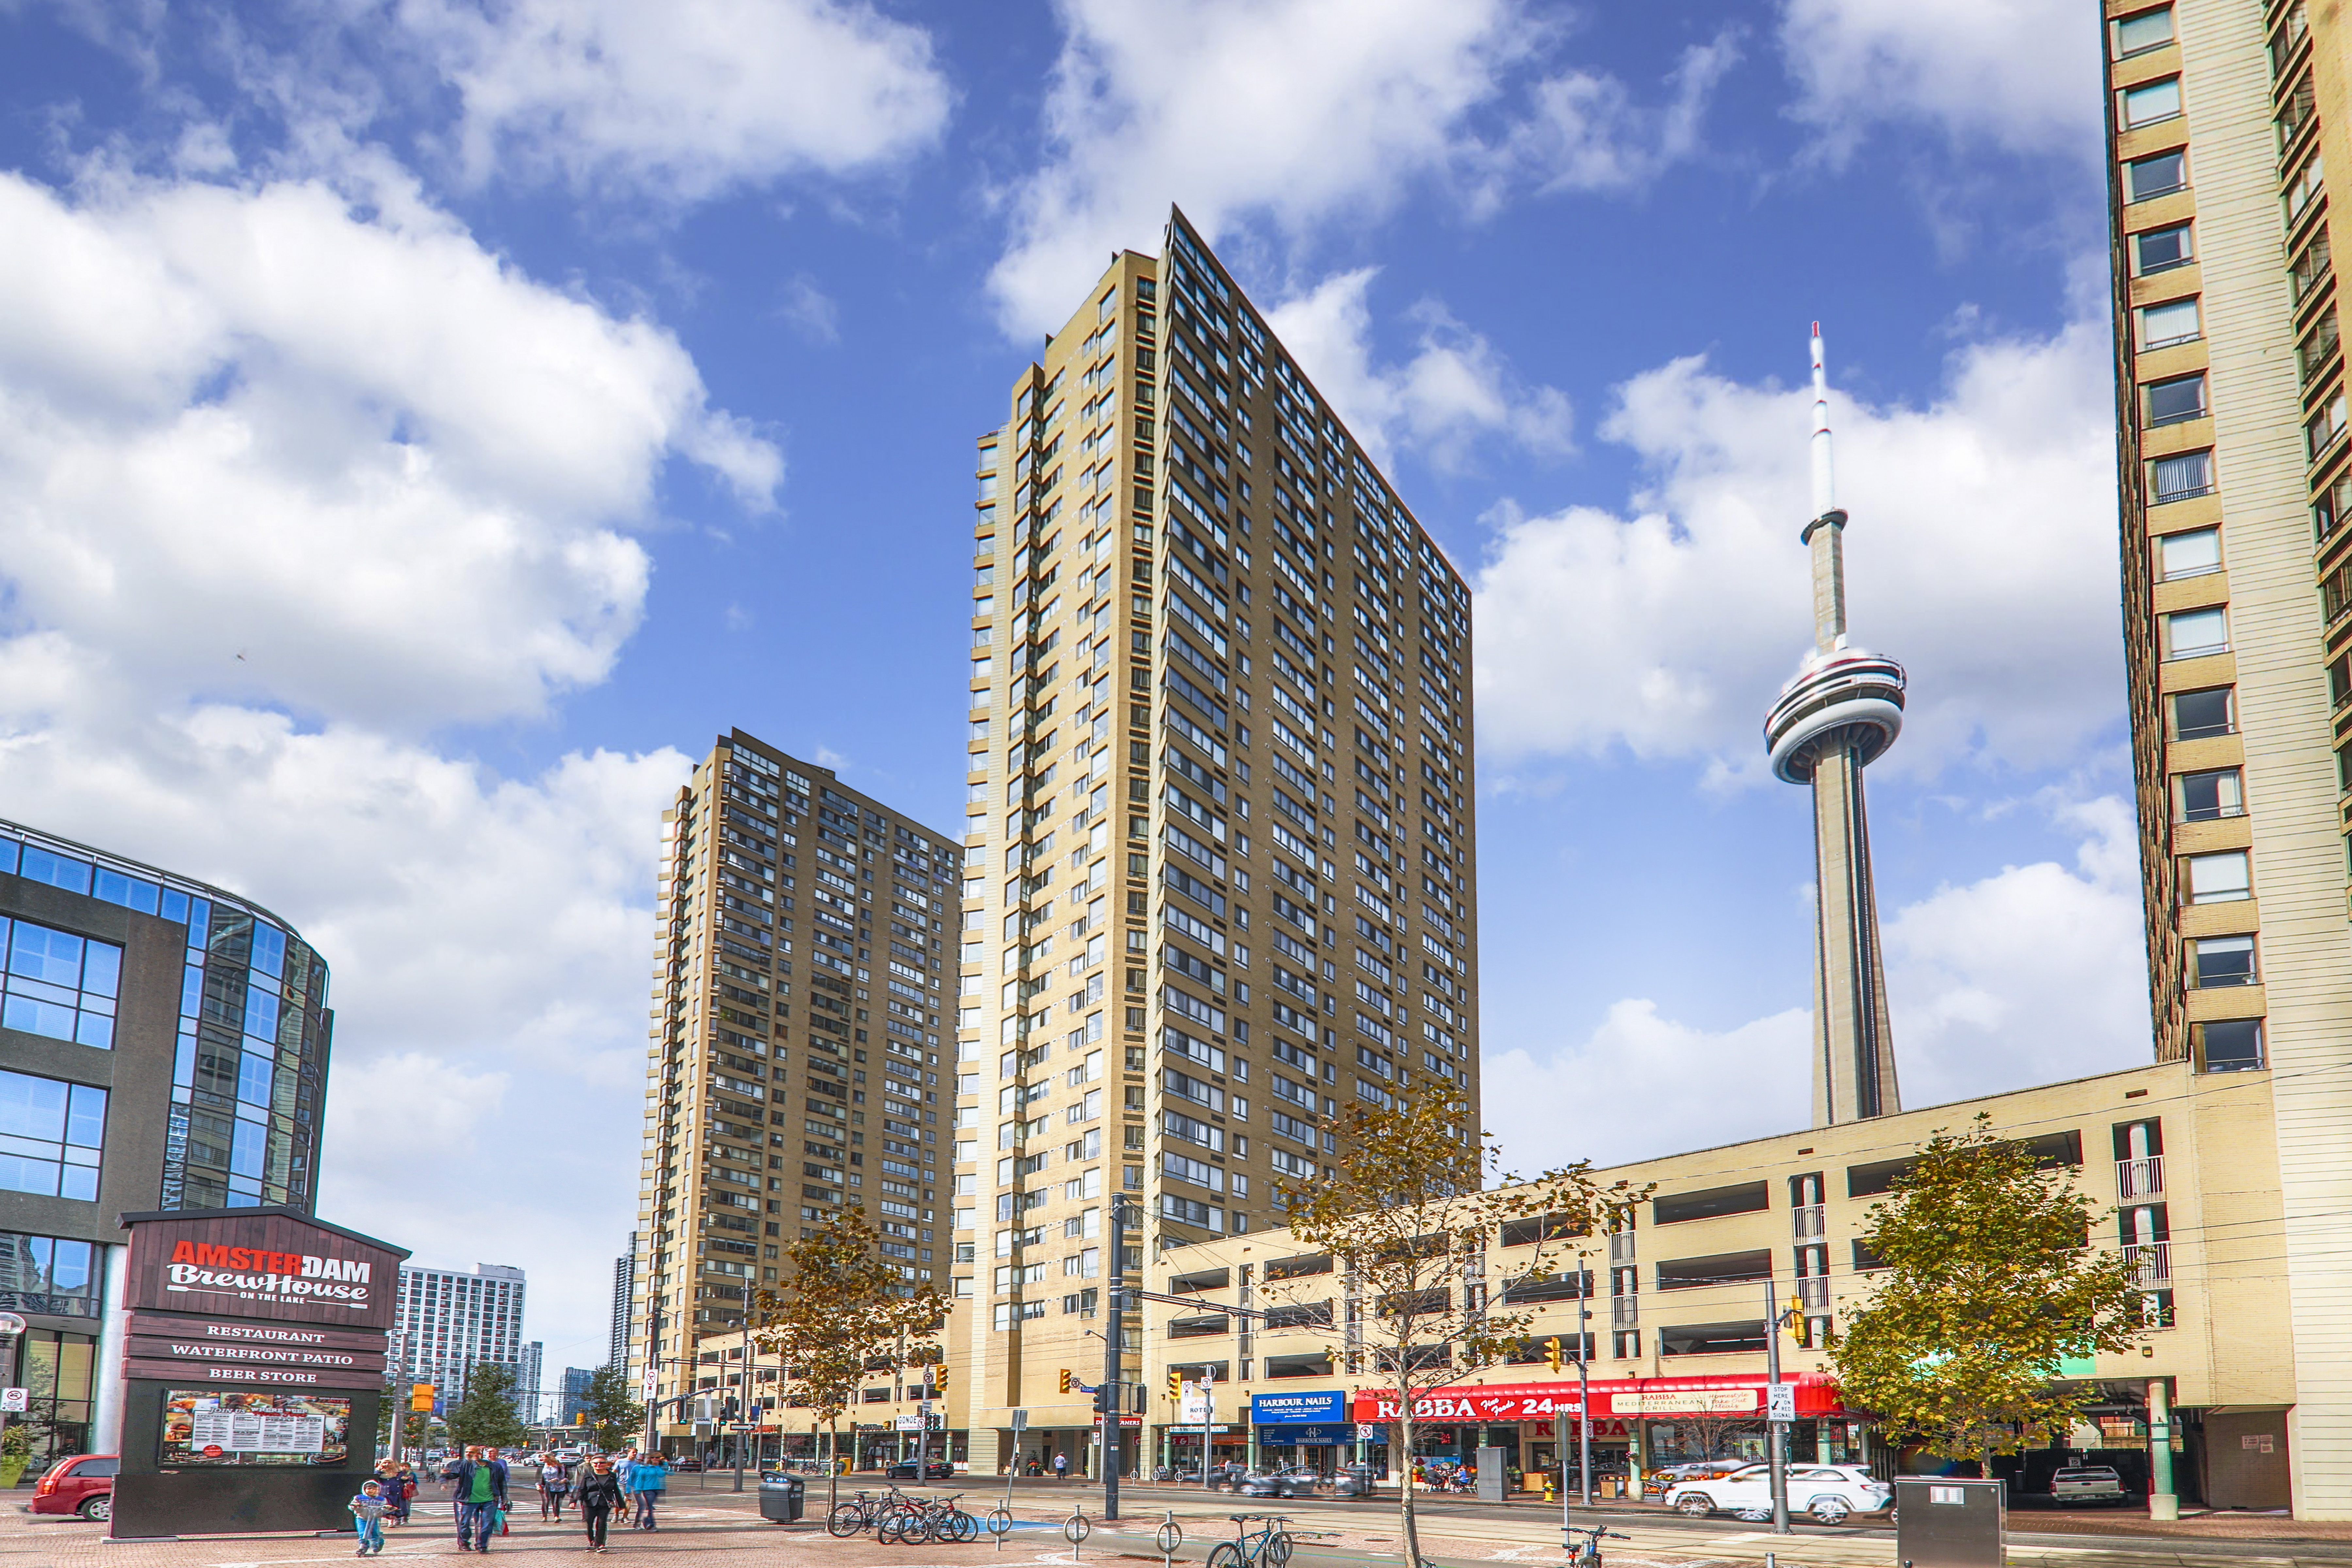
(1290, 1480)
(920, 1471)
(1657, 1483)
(2087, 1483)
(82, 1484)
(1830, 1493)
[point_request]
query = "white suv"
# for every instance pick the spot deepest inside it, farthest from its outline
(1828, 1492)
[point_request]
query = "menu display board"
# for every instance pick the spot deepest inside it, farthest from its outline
(202, 1427)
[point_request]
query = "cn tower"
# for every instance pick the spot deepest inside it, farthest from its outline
(1839, 714)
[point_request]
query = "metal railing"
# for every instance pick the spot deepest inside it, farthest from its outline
(1810, 1221)
(2141, 1178)
(2152, 1259)
(1624, 1311)
(1813, 1291)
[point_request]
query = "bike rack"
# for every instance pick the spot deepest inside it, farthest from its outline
(1076, 1530)
(1171, 1536)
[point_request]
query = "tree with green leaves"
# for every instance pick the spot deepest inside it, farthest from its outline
(609, 1410)
(842, 1310)
(1990, 1285)
(1407, 1218)
(486, 1415)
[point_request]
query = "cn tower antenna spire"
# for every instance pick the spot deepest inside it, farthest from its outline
(1840, 713)
(1825, 535)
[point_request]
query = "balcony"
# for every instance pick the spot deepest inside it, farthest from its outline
(1810, 1221)
(1814, 1293)
(1621, 1246)
(2152, 1260)
(2141, 1178)
(1624, 1311)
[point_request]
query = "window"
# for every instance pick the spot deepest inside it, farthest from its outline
(1309, 1363)
(2181, 477)
(2161, 249)
(2159, 175)
(59, 985)
(2311, 266)
(2135, 35)
(1748, 1198)
(2209, 796)
(2320, 431)
(2231, 1045)
(2219, 879)
(2201, 715)
(2317, 351)
(2221, 960)
(1719, 1269)
(47, 1275)
(50, 1134)
(2329, 508)
(2174, 322)
(2193, 634)
(2150, 102)
(1711, 1339)
(2189, 554)
(2302, 186)
(2170, 402)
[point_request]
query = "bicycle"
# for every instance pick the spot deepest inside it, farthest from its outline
(921, 1519)
(1588, 1554)
(862, 1512)
(1271, 1546)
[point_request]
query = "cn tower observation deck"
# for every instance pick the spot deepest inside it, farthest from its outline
(1838, 714)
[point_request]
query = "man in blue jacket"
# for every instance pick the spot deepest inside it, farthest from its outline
(480, 1496)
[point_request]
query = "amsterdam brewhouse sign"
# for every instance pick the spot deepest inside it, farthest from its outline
(254, 1365)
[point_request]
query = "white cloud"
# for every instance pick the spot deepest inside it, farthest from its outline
(2018, 74)
(398, 477)
(1981, 554)
(363, 453)
(1302, 112)
(2031, 975)
(685, 99)
(1453, 391)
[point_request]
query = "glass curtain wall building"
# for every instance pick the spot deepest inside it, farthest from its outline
(165, 1047)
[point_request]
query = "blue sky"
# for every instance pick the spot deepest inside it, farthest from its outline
(424, 423)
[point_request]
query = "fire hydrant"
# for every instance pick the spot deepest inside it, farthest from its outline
(1551, 1493)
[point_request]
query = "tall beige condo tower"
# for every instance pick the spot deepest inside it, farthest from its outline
(1219, 871)
(800, 978)
(2221, 115)
(1842, 709)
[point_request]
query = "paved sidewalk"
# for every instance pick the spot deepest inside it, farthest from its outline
(727, 1526)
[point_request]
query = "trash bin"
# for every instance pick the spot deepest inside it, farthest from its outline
(783, 1497)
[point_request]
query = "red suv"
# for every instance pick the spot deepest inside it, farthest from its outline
(83, 1484)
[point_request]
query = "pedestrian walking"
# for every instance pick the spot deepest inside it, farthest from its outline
(622, 1466)
(402, 1492)
(648, 1478)
(1061, 1467)
(367, 1510)
(480, 1495)
(598, 1492)
(554, 1485)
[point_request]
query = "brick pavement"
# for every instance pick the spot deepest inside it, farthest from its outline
(725, 1524)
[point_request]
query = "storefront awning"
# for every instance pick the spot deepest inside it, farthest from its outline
(1660, 1397)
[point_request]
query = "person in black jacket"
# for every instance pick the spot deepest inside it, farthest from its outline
(597, 1490)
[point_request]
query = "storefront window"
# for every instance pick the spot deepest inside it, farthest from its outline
(53, 1369)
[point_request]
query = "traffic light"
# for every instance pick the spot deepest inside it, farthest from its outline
(420, 1396)
(1175, 1386)
(940, 1378)
(730, 1411)
(1066, 1379)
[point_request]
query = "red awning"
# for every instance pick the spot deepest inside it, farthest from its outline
(1647, 1398)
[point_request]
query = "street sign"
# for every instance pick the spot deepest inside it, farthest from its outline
(908, 1422)
(1200, 1399)
(1020, 1421)
(1780, 1402)
(15, 1399)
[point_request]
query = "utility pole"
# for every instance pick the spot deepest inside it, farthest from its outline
(743, 1400)
(1777, 1427)
(1113, 1368)
(1584, 1384)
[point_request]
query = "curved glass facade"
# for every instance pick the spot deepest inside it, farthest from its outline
(249, 1075)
